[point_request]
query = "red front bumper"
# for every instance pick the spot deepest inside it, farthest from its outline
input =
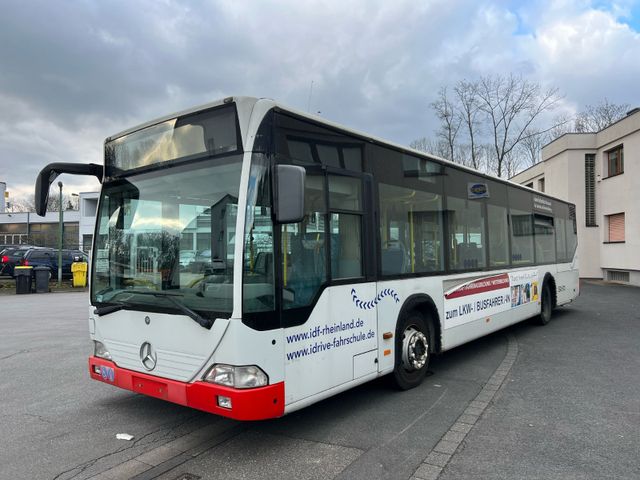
(250, 404)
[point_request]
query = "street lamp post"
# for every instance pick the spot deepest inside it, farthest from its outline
(79, 233)
(60, 233)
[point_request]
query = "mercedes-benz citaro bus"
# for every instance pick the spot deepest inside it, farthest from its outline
(250, 260)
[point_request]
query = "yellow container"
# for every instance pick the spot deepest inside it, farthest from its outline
(79, 270)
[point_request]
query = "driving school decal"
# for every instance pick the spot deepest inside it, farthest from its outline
(484, 297)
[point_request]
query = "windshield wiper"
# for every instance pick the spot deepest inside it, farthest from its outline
(203, 322)
(107, 309)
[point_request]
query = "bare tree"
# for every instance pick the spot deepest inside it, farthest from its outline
(450, 121)
(530, 147)
(562, 124)
(598, 117)
(434, 147)
(469, 110)
(512, 163)
(511, 105)
(423, 144)
(28, 202)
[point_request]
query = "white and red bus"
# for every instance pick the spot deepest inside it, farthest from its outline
(250, 260)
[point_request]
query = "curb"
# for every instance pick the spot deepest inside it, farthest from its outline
(446, 448)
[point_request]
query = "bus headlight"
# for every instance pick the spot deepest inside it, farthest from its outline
(248, 376)
(100, 351)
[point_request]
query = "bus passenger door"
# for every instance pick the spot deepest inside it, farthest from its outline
(328, 293)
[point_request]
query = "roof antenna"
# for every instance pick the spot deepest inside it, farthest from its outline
(310, 93)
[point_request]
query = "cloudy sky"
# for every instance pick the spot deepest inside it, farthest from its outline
(75, 72)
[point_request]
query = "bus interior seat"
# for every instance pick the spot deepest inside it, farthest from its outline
(306, 269)
(393, 258)
(469, 255)
(263, 265)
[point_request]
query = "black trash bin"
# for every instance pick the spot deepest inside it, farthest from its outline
(23, 279)
(42, 276)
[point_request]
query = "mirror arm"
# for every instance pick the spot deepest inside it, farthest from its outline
(49, 173)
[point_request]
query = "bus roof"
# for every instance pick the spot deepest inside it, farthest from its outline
(245, 104)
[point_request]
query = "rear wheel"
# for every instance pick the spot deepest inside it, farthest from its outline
(546, 305)
(413, 350)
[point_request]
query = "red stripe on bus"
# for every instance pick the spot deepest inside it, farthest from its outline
(247, 404)
(481, 285)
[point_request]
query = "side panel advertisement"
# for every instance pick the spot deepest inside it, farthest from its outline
(484, 297)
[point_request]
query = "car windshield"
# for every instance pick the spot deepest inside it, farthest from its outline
(170, 230)
(16, 254)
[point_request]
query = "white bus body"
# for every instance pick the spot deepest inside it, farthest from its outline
(379, 264)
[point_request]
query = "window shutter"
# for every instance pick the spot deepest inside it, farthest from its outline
(616, 227)
(590, 189)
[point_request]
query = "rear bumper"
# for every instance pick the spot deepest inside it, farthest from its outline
(250, 404)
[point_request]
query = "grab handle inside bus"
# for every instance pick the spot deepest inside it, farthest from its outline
(49, 173)
(288, 193)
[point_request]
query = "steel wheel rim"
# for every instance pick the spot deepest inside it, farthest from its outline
(415, 349)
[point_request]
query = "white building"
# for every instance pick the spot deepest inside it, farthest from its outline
(88, 208)
(28, 228)
(600, 173)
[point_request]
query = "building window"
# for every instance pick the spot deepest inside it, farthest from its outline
(530, 185)
(615, 161)
(90, 207)
(616, 227)
(541, 184)
(87, 240)
(590, 189)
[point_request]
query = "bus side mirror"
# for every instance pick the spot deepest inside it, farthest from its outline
(288, 194)
(49, 173)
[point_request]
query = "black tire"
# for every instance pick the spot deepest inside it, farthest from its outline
(546, 304)
(414, 346)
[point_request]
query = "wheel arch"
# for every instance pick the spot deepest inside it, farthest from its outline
(424, 304)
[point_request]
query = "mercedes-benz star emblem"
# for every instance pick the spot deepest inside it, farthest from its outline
(148, 356)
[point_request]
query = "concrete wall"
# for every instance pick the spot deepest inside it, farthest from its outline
(88, 210)
(620, 194)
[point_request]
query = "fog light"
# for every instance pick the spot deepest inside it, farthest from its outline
(224, 402)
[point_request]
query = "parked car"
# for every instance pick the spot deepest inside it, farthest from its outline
(10, 257)
(187, 257)
(42, 257)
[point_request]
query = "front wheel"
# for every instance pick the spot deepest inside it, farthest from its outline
(546, 305)
(413, 350)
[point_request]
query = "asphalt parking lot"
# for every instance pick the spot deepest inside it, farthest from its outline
(561, 401)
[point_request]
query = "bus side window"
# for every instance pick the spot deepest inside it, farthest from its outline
(545, 239)
(498, 235)
(466, 234)
(345, 193)
(561, 238)
(521, 216)
(410, 230)
(304, 247)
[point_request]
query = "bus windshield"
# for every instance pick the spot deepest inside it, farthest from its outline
(172, 231)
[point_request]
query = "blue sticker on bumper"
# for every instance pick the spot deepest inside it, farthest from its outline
(108, 373)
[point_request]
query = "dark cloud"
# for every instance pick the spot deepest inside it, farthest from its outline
(72, 73)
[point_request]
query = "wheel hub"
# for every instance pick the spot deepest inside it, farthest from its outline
(415, 349)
